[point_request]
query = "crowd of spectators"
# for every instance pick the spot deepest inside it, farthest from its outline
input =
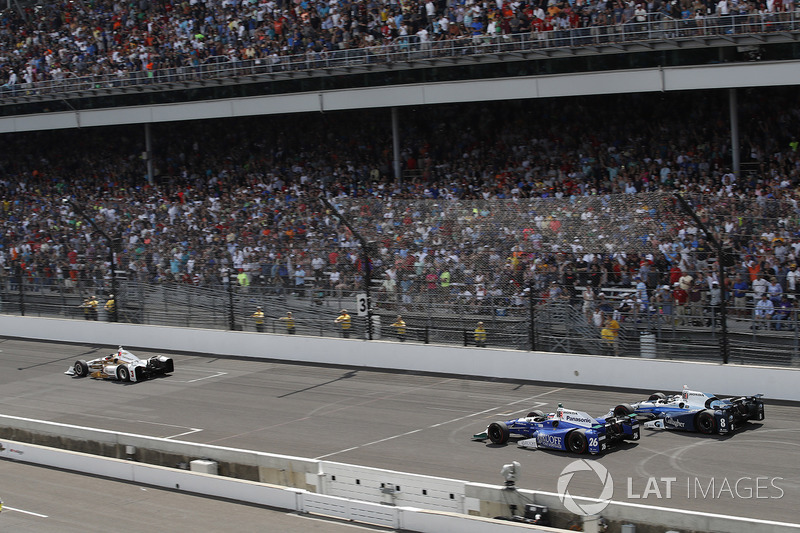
(494, 199)
(52, 41)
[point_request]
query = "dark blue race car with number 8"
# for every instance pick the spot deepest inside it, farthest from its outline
(694, 411)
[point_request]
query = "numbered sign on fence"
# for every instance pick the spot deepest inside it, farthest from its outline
(361, 304)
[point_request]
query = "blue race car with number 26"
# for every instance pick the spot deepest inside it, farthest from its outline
(694, 411)
(567, 430)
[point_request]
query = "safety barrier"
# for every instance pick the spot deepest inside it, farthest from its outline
(384, 497)
(639, 373)
(405, 518)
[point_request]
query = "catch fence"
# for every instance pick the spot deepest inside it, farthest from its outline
(540, 274)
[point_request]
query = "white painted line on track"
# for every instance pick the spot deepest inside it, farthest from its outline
(7, 508)
(536, 404)
(213, 373)
(366, 401)
(194, 430)
(189, 429)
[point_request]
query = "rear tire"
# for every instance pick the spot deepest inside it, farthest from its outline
(623, 409)
(498, 432)
(123, 374)
(705, 422)
(576, 441)
(657, 396)
(81, 368)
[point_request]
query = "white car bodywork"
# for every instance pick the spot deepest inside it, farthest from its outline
(123, 366)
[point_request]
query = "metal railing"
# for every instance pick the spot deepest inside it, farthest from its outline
(410, 49)
(558, 326)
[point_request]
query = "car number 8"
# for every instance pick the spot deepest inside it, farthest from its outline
(722, 422)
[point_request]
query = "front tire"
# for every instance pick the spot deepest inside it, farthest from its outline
(498, 432)
(81, 368)
(576, 442)
(657, 396)
(705, 422)
(535, 414)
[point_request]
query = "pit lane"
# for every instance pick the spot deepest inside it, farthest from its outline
(408, 422)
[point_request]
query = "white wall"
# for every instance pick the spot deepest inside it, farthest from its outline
(774, 383)
(399, 515)
(406, 518)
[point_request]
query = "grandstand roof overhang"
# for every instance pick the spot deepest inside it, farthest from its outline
(656, 79)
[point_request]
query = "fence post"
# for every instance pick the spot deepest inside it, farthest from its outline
(20, 277)
(532, 325)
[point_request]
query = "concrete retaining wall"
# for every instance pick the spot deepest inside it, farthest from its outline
(405, 518)
(775, 383)
(336, 489)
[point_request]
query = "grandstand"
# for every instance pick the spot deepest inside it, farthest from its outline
(533, 206)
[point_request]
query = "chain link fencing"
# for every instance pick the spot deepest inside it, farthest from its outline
(627, 275)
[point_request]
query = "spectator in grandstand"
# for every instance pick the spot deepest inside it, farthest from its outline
(774, 290)
(760, 286)
(137, 42)
(739, 292)
(763, 312)
(784, 315)
(792, 277)
(714, 304)
(680, 298)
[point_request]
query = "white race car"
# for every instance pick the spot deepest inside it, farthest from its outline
(123, 366)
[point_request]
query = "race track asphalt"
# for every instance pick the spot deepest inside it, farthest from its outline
(46, 500)
(409, 422)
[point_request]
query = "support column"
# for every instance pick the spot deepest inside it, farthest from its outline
(148, 154)
(734, 112)
(396, 144)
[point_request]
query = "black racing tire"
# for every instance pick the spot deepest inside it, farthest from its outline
(576, 441)
(705, 422)
(81, 368)
(657, 396)
(139, 373)
(623, 409)
(498, 432)
(123, 374)
(535, 414)
(169, 366)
